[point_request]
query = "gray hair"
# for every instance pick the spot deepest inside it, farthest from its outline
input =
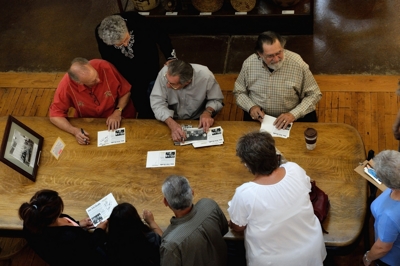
(387, 167)
(268, 37)
(182, 69)
(112, 29)
(80, 61)
(177, 191)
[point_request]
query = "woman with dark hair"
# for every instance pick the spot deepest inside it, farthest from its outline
(56, 237)
(131, 242)
(274, 209)
(386, 211)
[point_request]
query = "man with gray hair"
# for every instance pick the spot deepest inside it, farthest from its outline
(195, 235)
(130, 42)
(94, 89)
(185, 91)
(276, 82)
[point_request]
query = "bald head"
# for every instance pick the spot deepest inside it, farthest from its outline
(82, 72)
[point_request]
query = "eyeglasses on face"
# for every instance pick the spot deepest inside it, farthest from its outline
(172, 85)
(272, 56)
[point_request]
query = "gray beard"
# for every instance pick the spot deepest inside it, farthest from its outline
(276, 66)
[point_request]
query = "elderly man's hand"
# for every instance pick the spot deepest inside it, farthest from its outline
(114, 120)
(81, 136)
(284, 120)
(206, 121)
(177, 133)
(256, 113)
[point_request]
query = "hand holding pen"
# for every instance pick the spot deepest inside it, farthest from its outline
(83, 137)
(257, 113)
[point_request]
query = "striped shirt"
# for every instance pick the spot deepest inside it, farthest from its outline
(292, 88)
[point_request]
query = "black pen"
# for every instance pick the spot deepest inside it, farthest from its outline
(83, 132)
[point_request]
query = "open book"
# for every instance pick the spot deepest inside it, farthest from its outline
(101, 210)
(268, 126)
(198, 138)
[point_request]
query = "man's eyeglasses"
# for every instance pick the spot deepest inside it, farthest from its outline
(171, 84)
(272, 56)
(95, 100)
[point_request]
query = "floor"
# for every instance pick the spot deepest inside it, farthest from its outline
(350, 37)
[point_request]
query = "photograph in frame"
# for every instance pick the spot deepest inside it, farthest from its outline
(21, 148)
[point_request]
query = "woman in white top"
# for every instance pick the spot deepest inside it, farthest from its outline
(274, 209)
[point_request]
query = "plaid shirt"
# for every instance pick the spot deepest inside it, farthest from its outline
(292, 88)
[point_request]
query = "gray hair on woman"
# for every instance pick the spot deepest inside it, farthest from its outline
(182, 69)
(257, 151)
(387, 167)
(112, 29)
(177, 192)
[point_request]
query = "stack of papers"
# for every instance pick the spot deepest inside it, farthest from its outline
(268, 126)
(198, 138)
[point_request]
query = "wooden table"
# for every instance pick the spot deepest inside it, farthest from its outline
(85, 174)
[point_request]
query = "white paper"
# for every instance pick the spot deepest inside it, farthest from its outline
(214, 137)
(105, 138)
(268, 125)
(198, 138)
(57, 148)
(101, 210)
(164, 158)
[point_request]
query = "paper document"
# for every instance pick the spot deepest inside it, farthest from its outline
(198, 138)
(214, 137)
(57, 148)
(105, 138)
(161, 158)
(268, 126)
(101, 210)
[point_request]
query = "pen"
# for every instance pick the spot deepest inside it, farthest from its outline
(83, 132)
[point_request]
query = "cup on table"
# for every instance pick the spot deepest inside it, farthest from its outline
(310, 135)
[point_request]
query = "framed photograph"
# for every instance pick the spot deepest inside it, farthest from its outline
(21, 148)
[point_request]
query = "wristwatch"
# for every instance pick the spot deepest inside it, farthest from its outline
(118, 108)
(209, 111)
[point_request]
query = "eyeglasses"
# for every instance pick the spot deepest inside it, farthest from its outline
(95, 100)
(272, 56)
(171, 84)
(124, 41)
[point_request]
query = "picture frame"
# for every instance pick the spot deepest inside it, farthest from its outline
(21, 148)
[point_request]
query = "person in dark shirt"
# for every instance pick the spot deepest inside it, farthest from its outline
(129, 41)
(130, 241)
(56, 237)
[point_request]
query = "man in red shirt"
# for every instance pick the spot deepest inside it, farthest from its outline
(95, 89)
